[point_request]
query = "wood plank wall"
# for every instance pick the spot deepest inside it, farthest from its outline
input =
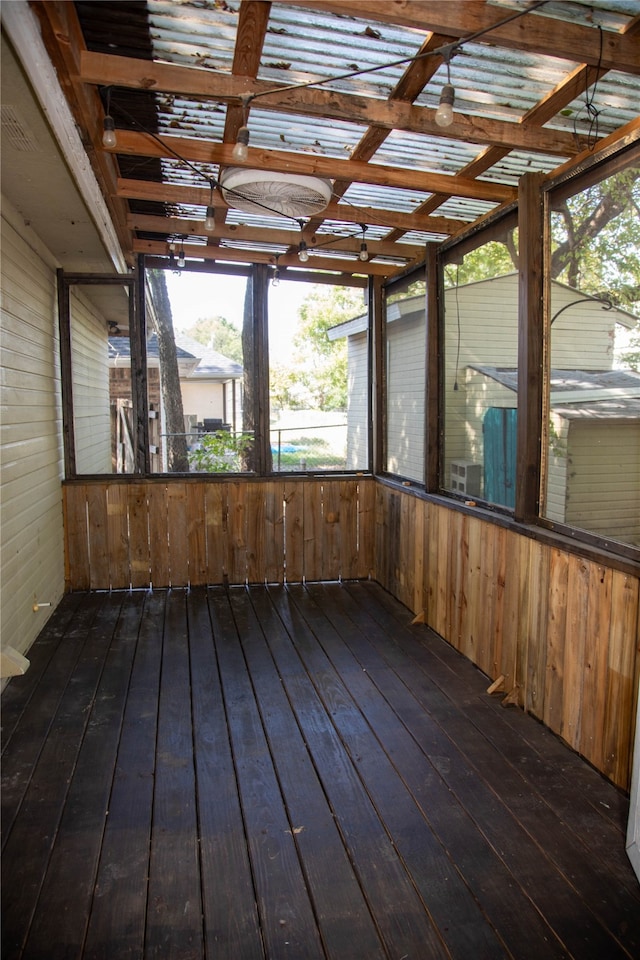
(562, 630)
(161, 533)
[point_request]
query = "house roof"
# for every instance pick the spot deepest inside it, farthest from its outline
(174, 74)
(203, 363)
(412, 306)
(577, 394)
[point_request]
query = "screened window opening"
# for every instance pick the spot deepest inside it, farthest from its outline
(198, 422)
(318, 377)
(591, 479)
(405, 360)
(480, 366)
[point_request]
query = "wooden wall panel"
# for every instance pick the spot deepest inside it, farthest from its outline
(124, 533)
(561, 630)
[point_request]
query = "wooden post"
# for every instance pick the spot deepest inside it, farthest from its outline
(531, 314)
(432, 390)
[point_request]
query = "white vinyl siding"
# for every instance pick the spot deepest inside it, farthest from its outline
(32, 566)
(406, 344)
(603, 483)
(357, 403)
(90, 372)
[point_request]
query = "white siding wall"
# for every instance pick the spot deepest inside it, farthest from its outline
(603, 493)
(406, 340)
(358, 409)
(32, 564)
(203, 399)
(556, 493)
(90, 369)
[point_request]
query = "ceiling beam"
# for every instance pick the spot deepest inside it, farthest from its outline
(239, 232)
(106, 70)
(532, 32)
(342, 212)
(203, 151)
(195, 252)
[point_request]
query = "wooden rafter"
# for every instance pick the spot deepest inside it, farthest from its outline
(390, 114)
(540, 35)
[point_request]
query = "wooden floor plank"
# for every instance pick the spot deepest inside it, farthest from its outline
(17, 695)
(174, 909)
(506, 908)
(287, 917)
(549, 768)
(118, 916)
(403, 921)
(232, 925)
(30, 842)
(25, 743)
(571, 894)
(65, 899)
(258, 773)
(346, 925)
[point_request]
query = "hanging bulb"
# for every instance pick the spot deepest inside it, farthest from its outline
(303, 253)
(210, 219)
(181, 258)
(275, 279)
(444, 113)
(109, 138)
(241, 149)
(364, 252)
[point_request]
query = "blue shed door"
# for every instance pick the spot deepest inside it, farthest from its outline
(500, 428)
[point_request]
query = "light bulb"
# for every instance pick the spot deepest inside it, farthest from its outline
(109, 138)
(181, 259)
(303, 253)
(444, 113)
(364, 253)
(241, 150)
(210, 219)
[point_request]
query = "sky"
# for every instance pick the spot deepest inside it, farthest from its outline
(196, 295)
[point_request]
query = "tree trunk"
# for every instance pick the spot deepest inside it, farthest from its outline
(177, 459)
(249, 366)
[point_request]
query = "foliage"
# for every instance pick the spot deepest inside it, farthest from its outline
(493, 259)
(219, 334)
(321, 363)
(221, 452)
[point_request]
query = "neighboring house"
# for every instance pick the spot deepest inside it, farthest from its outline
(211, 384)
(589, 400)
(594, 446)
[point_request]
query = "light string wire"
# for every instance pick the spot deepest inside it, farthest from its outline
(446, 51)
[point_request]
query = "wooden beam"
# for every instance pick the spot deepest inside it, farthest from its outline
(533, 32)
(532, 297)
(392, 115)
(158, 248)
(239, 232)
(200, 151)
(344, 212)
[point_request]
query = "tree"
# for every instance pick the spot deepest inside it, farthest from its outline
(219, 334)
(177, 459)
(321, 362)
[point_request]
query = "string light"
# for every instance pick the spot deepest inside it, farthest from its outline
(364, 251)
(303, 252)
(210, 217)
(444, 113)
(109, 138)
(181, 257)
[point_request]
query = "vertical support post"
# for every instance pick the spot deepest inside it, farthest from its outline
(531, 314)
(377, 436)
(260, 289)
(137, 334)
(432, 379)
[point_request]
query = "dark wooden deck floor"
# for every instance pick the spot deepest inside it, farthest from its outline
(292, 773)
